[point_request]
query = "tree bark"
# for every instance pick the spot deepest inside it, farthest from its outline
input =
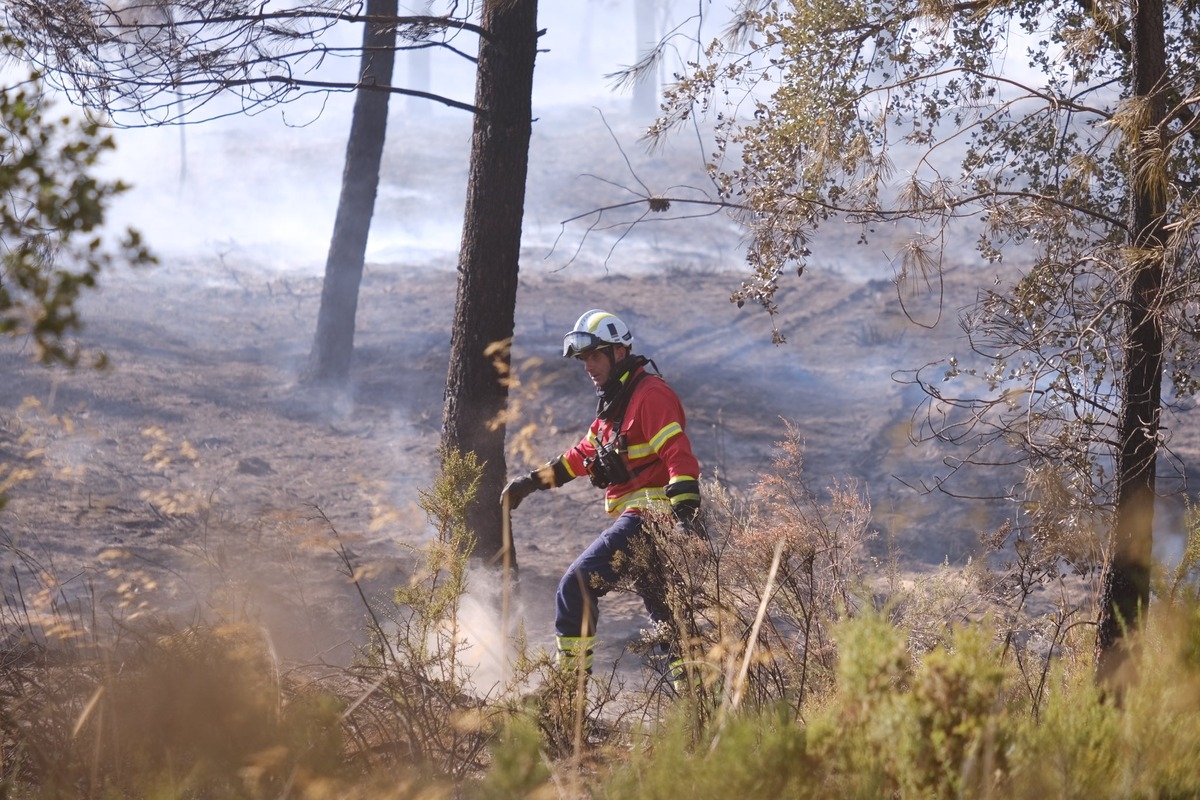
(333, 345)
(485, 308)
(1126, 589)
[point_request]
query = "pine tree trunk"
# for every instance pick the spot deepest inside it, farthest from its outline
(333, 345)
(484, 313)
(1126, 590)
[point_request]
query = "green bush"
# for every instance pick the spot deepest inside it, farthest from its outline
(951, 723)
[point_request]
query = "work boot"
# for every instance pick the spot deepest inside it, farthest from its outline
(681, 682)
(686, 678)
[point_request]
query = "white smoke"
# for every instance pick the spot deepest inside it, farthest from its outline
(488, 628)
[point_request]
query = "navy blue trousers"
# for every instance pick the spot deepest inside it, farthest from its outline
(594, 573)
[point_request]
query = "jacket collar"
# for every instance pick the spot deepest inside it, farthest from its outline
(613, 397)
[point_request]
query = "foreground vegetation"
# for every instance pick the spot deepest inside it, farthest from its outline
(813, 671)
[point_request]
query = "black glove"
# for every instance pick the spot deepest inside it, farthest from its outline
(686, 511)
(687, 519)
(520, 488)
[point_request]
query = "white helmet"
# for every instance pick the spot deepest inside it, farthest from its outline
(596, 329)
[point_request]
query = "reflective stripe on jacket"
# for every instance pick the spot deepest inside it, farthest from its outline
(657, 454)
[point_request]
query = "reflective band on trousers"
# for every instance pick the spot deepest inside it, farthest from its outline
(574, 650)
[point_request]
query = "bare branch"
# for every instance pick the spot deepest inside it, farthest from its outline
(162, 63)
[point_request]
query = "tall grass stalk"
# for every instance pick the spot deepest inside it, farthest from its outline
(733, 697)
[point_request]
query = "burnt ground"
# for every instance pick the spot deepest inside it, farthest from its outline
(196, 475)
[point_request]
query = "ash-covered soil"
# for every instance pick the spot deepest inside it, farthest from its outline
(195, 474)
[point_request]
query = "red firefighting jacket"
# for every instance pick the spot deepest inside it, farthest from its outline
(656, 451)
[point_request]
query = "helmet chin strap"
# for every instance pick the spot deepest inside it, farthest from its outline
(614, 373)
(613, 382)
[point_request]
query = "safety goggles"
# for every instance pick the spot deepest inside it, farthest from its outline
(576, 343)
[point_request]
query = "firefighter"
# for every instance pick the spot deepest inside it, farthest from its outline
(637, 451)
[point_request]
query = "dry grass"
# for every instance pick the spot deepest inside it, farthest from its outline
(811, 670)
